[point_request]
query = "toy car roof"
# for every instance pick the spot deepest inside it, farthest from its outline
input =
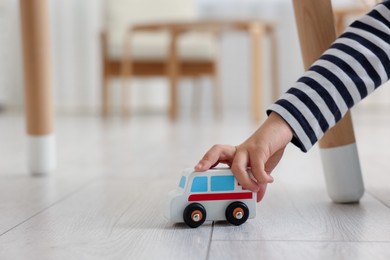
(214, 171)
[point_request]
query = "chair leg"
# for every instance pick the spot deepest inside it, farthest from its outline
(173, 97)
(339, 23)
(196, 96)
(217, 93)
(105, 94)
(338, 146)
(256, 32)
(125, 100)
(39, 112)
(106, 72)
(173, 72)
(126, 74)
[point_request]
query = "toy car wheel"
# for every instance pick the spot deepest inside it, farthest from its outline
(237, 213)
(194, 215)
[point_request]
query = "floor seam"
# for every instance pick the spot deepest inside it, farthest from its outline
(378, 199)
(306, 241)
(211, 239)
(49, 206)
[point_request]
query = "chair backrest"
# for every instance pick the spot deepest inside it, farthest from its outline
(122, 13)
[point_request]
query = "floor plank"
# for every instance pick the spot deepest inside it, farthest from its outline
(106, 198)
(110, 219)
(297, 207)
(308, 215)
(297, 250)
(22, 197)
(372, 131)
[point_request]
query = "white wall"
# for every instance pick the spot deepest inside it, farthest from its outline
(75, 27)
(236, 69)
(10, 71)
(76, 53)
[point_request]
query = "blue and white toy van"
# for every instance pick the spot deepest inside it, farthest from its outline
(211, 195)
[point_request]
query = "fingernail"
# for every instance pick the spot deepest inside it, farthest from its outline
(198, 166)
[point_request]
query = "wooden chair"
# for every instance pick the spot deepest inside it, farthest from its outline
(316, 31)
(186, 47)
(39, 109)
(149, 50)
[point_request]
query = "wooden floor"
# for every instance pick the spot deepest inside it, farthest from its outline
(105, 201)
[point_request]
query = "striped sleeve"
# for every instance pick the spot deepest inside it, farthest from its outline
(354, 66)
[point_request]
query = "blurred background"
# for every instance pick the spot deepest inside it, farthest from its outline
(76, 27)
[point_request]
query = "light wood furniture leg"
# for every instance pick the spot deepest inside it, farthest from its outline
(339, 23)
(217, 89)
(127, 72)
(274, 66)
(105, 93)
(217, 93)
(38, 85)
(256, 32)
(105, 75)
(338, 147)
(196, 96)
(173, 74)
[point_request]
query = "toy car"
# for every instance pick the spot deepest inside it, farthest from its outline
(211, 195)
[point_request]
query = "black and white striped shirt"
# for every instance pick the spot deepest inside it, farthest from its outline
(353, 67)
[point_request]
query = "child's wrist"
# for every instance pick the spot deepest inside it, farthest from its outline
(281, 125)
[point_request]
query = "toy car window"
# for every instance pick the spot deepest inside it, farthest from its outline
(199, 184)
(182, 182)
(222, 183)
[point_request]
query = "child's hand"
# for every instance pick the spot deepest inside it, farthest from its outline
(262, 152)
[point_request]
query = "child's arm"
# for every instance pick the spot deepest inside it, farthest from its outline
(353, 67)
(262, 151)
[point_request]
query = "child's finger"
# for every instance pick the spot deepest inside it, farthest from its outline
(216, 154)
(261, 192)
(257, 167)
(239, 166)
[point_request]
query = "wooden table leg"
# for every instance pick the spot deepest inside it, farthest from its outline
(256, 32)
(173, 74)
(38, 85)
(339, 154)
